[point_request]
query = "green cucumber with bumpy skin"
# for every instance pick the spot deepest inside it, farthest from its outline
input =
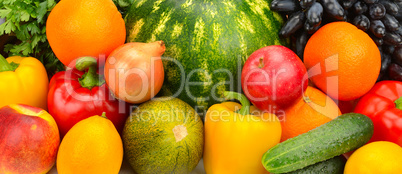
(335, 165)
(342, 134)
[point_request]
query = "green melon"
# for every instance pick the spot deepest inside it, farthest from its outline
(207, 42)
(164, 135)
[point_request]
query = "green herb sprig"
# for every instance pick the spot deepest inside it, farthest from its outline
(25, 20)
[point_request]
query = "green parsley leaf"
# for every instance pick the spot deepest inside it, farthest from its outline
(26, 26)
(41, 11)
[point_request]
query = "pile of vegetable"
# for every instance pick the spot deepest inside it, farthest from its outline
(257, 86)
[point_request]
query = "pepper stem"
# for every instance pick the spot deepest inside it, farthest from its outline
(398, 103)
(245, 104)
(91, 78)
(5, 66)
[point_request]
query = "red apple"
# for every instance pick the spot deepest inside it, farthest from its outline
(29, 140)
(274, 78)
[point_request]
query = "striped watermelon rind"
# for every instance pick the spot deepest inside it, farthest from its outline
(207, 42)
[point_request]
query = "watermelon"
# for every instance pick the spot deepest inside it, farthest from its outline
(164, 135)
(207, 42)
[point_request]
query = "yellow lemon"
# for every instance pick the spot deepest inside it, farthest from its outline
(380, 157)
(92, 146)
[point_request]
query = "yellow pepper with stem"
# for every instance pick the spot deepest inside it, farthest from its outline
(23, 80)
(236, 141)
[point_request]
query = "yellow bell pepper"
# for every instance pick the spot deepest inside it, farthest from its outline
(236, 141)
(23, 80)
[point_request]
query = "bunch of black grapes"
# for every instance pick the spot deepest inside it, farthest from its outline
(380, 19)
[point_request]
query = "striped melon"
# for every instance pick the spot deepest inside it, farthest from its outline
(207, 42)
(163, 135)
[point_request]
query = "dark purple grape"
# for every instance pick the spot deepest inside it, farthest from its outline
(359, 8)
(392, 38)
(391, 24)
(385, 62)
(389, 49)
(334, 9)
(399, 31)
(399, 16)
(346, 15)
(294, 22)
(399, 3)
(377, 28)
(380, 48)
(306, 3)
(284, 5)
(397, 56)
(395, 72)
(377, 41)
(348, 3)
(314, 14)
(390, 7)
(311, 28)
(308, 27)
(380, 77)
(370, 1)
(384, 76)
(301, 42)
(316, 28)
(361, 22)
(377, 11)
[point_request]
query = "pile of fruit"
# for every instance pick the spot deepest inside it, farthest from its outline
(380, 19)
(281, 86)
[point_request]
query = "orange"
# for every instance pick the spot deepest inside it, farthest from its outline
(77, 28)
(314, 109)
(377, 157)
(92, 146)
(342, 61)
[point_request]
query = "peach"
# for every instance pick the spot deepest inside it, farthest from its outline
(29, 140)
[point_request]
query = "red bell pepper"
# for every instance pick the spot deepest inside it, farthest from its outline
(383, 104)
(75, 95)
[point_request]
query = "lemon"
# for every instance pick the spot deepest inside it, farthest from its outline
(92, 146)
(380, 157)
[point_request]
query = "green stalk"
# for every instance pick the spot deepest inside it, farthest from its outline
(91, 78)
(104, 115)
(5, 66)
(398, 103)
(245, 104)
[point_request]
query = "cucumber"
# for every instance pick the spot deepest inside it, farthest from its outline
(340, 135)
(335, 165)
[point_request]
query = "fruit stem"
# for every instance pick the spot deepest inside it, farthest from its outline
(245, 104)
(398, 103)
(5, 66)
(104, 115)
(307, 99)
(261, 65)
(161, 43)
(91, 78)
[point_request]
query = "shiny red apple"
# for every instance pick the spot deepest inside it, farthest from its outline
(274, 78)
(29, 140)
